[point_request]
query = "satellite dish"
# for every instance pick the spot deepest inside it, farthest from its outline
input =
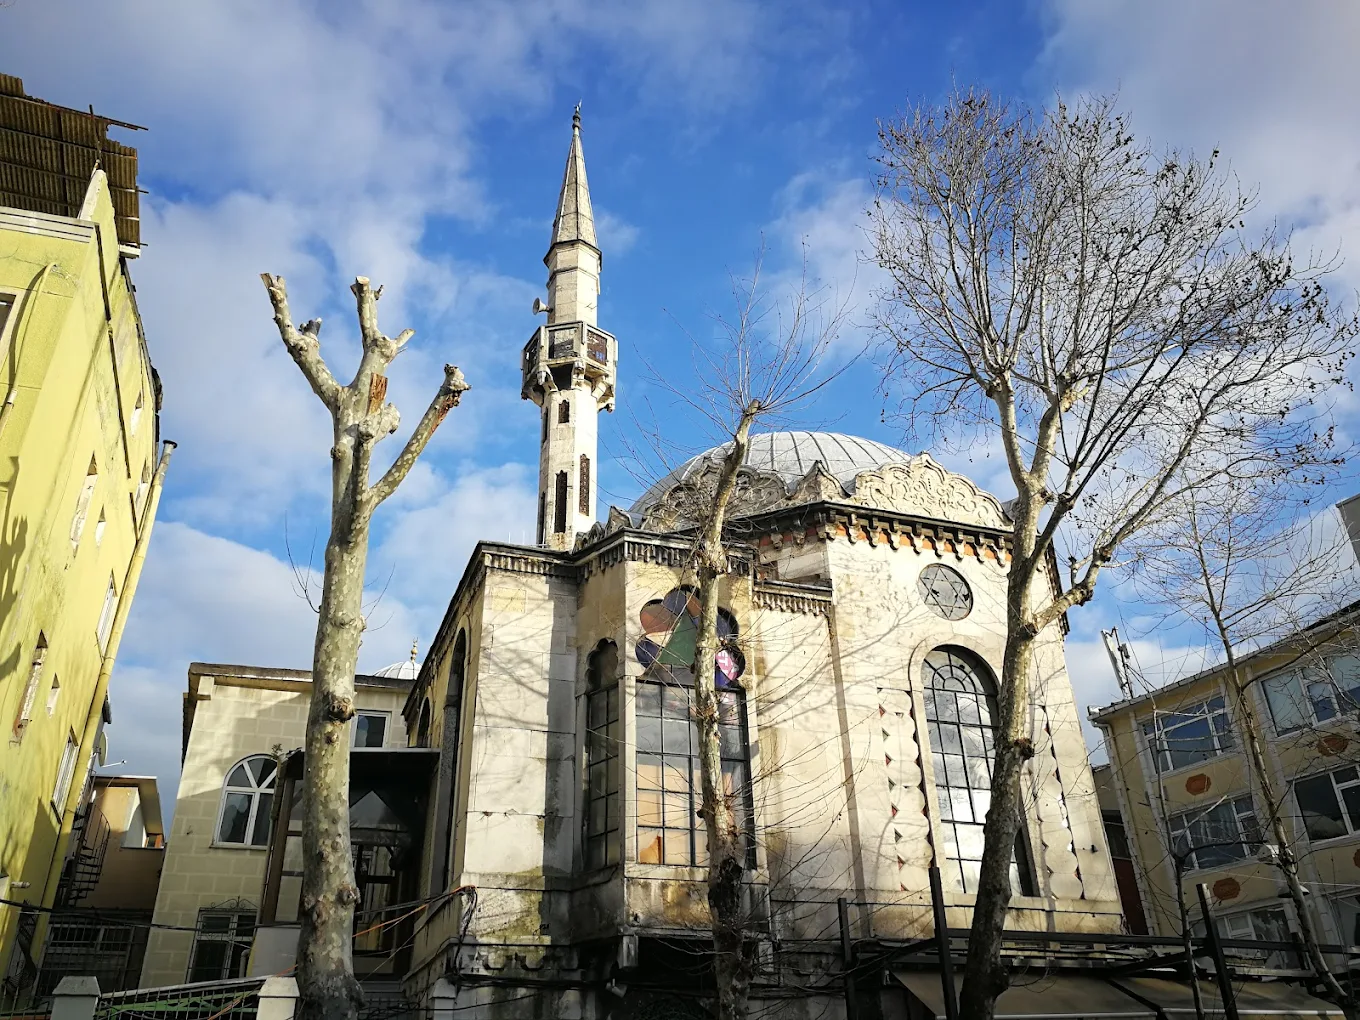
(540, 307)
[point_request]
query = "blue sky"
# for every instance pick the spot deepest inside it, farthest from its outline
(422, 144)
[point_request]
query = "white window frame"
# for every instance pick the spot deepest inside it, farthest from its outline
(1339, 786)
(371, 713)
(1308, 691)
(232, 936)
(87, 486)
(66, 772)
(106, 614)
(254, 792)
(1212, 708)
(1242, 808)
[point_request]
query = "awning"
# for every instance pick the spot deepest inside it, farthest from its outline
(1085, 996)
(1048, 996)
(1254, 998)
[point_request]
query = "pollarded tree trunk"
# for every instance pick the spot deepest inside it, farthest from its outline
(361, 418)
(733, 952)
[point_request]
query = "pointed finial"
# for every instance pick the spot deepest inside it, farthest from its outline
(576, 117)
(415, 648)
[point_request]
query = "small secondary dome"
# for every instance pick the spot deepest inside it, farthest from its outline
(790, 455)
(407, 669)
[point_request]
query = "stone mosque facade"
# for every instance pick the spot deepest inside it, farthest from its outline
(862, 628)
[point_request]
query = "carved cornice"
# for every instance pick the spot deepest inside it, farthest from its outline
(922, 487)
(788, 597)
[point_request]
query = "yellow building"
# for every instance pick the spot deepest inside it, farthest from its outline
(79, 476)
(1191, 810)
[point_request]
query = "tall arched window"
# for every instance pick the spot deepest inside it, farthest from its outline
(247, 802)
(669, 830)
(961, 711)
(603, 813)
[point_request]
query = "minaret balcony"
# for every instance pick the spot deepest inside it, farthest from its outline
(562, 355)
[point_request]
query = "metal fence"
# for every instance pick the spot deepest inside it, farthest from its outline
(220, 1000)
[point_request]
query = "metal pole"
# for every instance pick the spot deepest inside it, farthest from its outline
(1225, 987)
(942, 951)
(847, 959)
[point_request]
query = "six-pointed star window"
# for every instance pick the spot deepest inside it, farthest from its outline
(945, 591)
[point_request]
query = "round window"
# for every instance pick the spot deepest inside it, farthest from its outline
(945, 591)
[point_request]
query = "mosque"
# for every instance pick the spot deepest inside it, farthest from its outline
(862, 629)
(534, 781)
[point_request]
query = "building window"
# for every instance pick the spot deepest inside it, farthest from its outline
(1308, 697)
(542, 505)
(370, 729)
(221, 944)
(105, 626)
(66, 771)
(6, 307)
(1189, 735)
(423, 725)
(137, 413)
(143, 486)
(1330, 803)
(603, 813)
(247, 801)
(564, 412)
(1214, 836)
(960, 706)
(99, 527)
(1265, 924)
(53, 694)
(560, 504)
(25, 715)
(583, 489)
(83, 503)
(669, 792)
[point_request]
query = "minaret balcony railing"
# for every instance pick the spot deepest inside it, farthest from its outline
(575, 344)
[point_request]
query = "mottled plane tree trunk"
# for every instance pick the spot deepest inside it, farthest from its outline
(361, 417)
(1104, 314)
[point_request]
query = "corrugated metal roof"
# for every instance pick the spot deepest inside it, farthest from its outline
(48, 152)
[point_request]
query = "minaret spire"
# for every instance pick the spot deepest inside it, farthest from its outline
(569, 363)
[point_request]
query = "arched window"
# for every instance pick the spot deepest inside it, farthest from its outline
(247, 802)
(602, 811)
(423, 727)
(564, 412)
(960, 710)
(668, 783)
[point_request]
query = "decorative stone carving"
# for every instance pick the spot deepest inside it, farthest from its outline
(1332, 744)
(924, 488)
(686, 502)
(817, 485)
(1197, 784)
(1227, 889)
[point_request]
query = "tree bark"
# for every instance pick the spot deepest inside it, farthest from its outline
(732, 952)
(361, 418)
(985, 976)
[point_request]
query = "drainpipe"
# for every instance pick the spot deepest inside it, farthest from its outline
(134, 573)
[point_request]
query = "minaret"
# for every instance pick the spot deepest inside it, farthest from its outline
(569, 363)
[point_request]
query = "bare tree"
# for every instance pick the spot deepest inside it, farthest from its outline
(361, 418)
(1103, 311)
(1247, 563)
(765, 363)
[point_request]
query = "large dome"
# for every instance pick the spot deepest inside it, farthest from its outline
(790, 455)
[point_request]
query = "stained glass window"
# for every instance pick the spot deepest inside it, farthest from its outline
(669, 788)
(959, 711)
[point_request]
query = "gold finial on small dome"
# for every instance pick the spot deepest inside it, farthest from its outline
(415, 648)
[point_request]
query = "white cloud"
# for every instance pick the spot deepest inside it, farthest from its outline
(1271, 85)
(616, 235)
